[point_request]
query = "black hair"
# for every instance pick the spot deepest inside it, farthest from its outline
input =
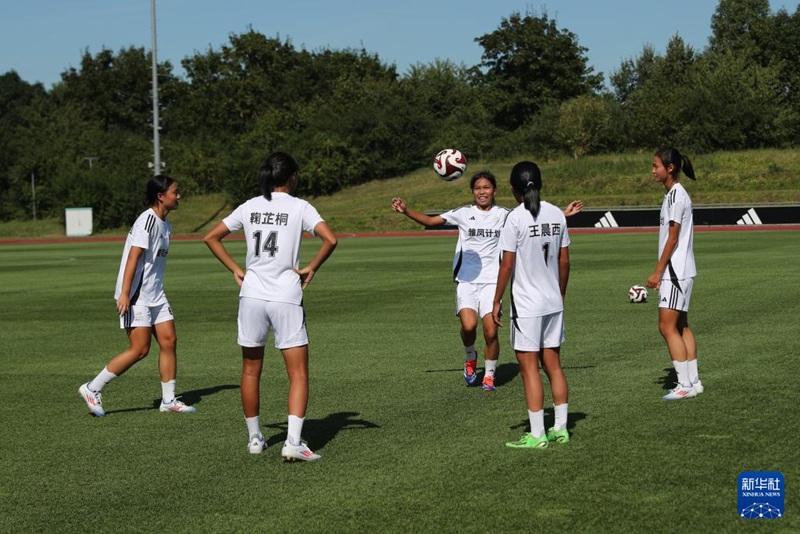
(671, 156)
(155, 185)
(276, 171)
(526, 180)
(486, 175)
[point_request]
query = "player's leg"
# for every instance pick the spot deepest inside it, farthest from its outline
(551, 361)
(691, 351)
(534, 400)
(253, 330)
(291, 338)
(139, 346)
(492, 351)
(467, 306)
(672, 303)
(167, 338)
(250, 390)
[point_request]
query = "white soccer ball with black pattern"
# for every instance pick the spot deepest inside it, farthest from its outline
(450, 164)
(637, 294)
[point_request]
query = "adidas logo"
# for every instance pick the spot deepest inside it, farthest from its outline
(606, 221)
(749, 218)
(472, 218)
(663, 299)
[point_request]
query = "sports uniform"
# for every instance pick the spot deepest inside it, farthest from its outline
(476, 259)
(536, 302)
(148, 300)
(271, 295)
(675, 291)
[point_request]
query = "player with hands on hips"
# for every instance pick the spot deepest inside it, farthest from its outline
(675, 271)
(141, 301)
(271, 292)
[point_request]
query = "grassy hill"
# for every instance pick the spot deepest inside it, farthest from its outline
(748, 177)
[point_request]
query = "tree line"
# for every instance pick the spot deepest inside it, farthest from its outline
(350, 118)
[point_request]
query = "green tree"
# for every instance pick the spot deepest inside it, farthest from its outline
(739, 27)
(528, 63)
(16, 96)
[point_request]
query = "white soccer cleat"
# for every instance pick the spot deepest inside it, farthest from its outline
(94, 400)
(257, 444)
(176, 406)
(698, 387)
(293, 453)
(680, 392)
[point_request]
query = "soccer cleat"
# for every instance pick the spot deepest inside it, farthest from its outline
(301, 453)
(680, 392)
(176, 406)
(257, 444)
(698, 387)
(470, 376)
(527, 441)
(488, 383)
(94, 400)
(558, 436)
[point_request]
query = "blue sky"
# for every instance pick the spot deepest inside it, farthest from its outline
(42, 38)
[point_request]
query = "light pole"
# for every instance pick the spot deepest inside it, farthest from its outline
(156, 140)
(91, 160)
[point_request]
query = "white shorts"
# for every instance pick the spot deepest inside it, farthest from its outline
(147, 316)
(257, 317)
(531, 334)
(478, 297)
(675, 295)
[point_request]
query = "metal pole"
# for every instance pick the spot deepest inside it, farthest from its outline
(33, 189)
(156, 140)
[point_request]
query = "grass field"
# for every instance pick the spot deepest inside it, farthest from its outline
(406, 447)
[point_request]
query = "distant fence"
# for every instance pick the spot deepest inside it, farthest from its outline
(703, 216)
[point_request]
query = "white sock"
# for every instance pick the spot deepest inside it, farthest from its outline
(693, 374)
(537, 423)
(295, 429)
(491, 367)
(168, 391)
(471, 354)
(682, 370)
(561, 416)
(253, 426)
(101, 380)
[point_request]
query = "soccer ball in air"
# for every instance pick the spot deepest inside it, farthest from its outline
(637, 294)
(449, 164)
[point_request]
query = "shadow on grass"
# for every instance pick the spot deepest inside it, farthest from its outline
(549, 415)
(669, 380)
(322, 431)
(189, 397)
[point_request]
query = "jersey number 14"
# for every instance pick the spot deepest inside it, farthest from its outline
(270, 246)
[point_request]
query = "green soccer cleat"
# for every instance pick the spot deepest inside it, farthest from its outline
(527, 441)
(558, 436)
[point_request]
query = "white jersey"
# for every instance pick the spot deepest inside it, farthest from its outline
(535, 289)
(477, 259)
(272, 230)
(150, 233)
(677, 206)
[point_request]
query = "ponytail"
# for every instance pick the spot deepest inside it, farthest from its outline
(526, 181)
(276, 171)
(671, 156)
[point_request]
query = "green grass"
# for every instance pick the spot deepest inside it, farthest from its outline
(406, 447)
(749, 177)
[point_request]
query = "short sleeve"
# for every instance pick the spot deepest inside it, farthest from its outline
(508, 235)
(235, 221)
(311, 218)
